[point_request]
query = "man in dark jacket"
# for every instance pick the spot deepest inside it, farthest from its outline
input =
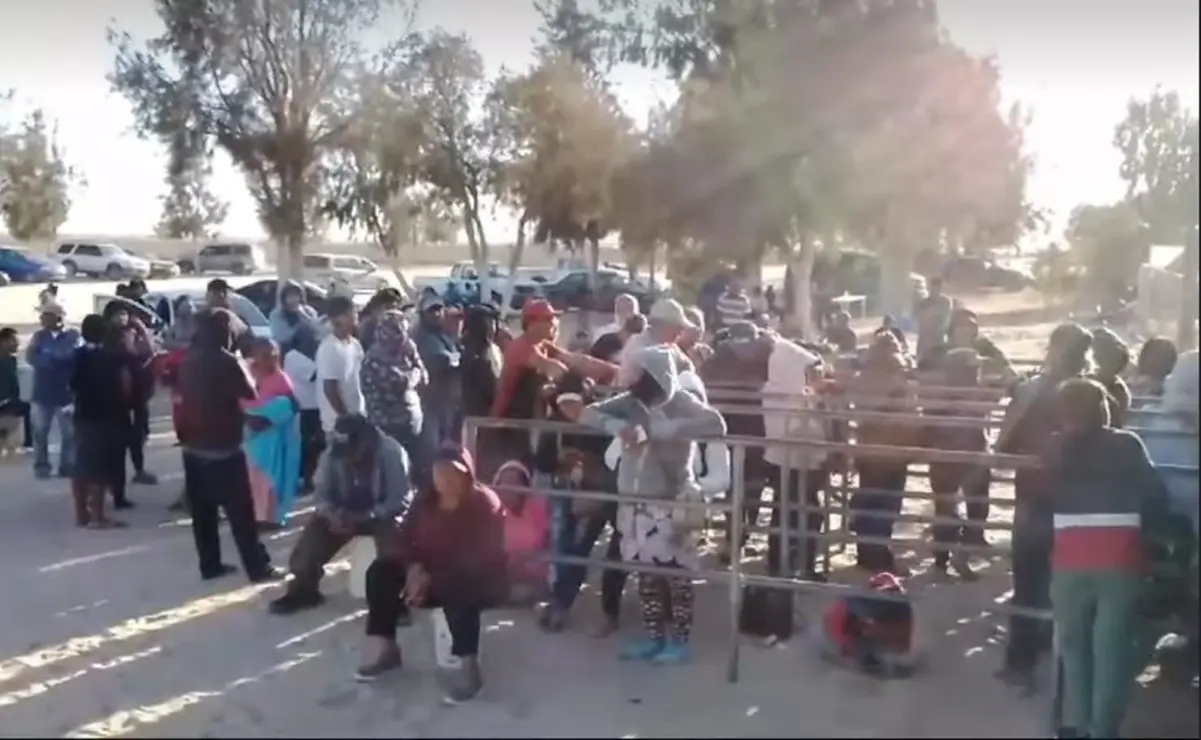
(213, 382)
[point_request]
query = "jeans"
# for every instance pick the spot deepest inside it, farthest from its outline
(42, 417)
(385, 583)
(875, 506)
(577, 538)
(1032, 539)
(223, 484)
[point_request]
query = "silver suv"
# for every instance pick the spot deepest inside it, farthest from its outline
(106, 260)
(240, 259)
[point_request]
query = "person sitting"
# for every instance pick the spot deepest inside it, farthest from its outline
(449, 555)
(871, 634)
(527, 530)
(362, 488)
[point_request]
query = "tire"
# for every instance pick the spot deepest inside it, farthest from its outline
(186, 267)
(114, 272)
(71, 268)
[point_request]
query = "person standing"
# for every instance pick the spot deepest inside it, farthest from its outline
(290, 314)
(392, 374)
(134, 339)
(734, 304)
(51, 352)
(624, 306)
(12, 405)
(104, 389)
(213, 383)
(339, 362)
(667, 323)
(300, 363)
(933, 318)
(442, 355)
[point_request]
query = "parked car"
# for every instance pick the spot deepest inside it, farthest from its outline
(240, 259)
(101, 260)
(264, 294)
(574, 291)
(359, 273)
(18, 265)
(157, 309)
(159, 268)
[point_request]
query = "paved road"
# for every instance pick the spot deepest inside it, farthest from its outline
(112, 634)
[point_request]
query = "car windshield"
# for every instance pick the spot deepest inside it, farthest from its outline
(241, 305)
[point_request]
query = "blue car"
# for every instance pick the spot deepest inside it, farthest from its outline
(22, 266)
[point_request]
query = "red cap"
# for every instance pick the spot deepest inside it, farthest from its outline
(538, 309)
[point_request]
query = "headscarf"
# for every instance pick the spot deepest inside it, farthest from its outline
(391, 338)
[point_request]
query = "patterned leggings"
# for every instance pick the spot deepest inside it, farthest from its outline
(666, 601)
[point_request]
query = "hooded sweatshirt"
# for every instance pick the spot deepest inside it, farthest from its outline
(284, 323)
(391, 490)
(664, 467)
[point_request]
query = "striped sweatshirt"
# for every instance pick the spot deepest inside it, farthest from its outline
(1107, 499)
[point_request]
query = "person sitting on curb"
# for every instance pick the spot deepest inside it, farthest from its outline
(449, 555)
(362, 488)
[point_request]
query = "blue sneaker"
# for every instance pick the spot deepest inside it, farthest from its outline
(645, 648)
(673, 653)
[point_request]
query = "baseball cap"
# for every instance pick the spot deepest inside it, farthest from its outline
(430, 301)
(671, 312)
(538, 309)
(217, 285)
(350, 432)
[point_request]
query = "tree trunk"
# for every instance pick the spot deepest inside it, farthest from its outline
(800, 273)
(1186, 328)
(515, 257)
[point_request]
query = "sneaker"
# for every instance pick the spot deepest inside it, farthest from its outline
(388, 661)
(296, 601)
(673, 653)
(644, 648)
(146, 479)
(463, 682)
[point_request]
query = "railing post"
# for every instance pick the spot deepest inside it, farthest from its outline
(737, 496)
(783, 504)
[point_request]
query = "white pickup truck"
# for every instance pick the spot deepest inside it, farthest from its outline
(463, 284)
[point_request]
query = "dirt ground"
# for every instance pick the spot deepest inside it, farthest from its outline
(111, 634)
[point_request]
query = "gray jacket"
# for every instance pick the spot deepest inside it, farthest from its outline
(663, 467)
(392, 489)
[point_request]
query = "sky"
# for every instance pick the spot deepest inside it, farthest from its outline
(1074, 63)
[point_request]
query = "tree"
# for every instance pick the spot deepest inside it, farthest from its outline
(190, 209)
(1108, 242)
(35, 180)
(268, 82)
(1158, 140)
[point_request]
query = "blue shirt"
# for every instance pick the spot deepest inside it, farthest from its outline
(52, 355)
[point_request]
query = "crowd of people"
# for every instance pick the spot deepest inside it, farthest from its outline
(365, 412)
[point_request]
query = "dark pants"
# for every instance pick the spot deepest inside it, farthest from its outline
(945, 482)
(385, 606)
(799, 542)
(318, 544)
(757, 474)
(416, 446)
(977, 491)
(874, 507)
(127, 435)
(212, 486)
(137, 440)
(579, 538)
(1032, 537)
(312, 443)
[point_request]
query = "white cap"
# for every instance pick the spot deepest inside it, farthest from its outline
(671, 312)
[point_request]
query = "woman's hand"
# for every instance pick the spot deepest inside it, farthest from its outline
(417, 582)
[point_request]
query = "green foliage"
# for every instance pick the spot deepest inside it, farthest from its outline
(267, 82)
(190, 209)
(1158, 142)
(35, 180)
(1109, 242)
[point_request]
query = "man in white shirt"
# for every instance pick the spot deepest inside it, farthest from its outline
(624, 306)
(666, 323)
(339, 359)
(791, 370)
